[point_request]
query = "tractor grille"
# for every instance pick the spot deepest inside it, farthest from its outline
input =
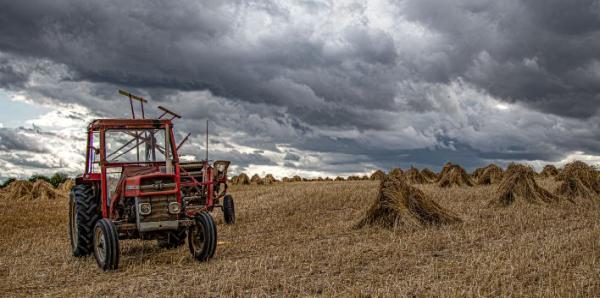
(159, 211)
(157, 184)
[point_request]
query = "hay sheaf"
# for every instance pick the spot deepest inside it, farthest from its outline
(39, 190)
(519, 185)
(17, 189)
(241, 179)
(66, 186)
(397, 172)
(578, 180)
(377, 175)
(453, 175)
(256, 180)
(415, 177)
(549, 171)
(429, 174)
(399, 204)
(43, 190)
(269, 179)
(491, 174)
(477, 173)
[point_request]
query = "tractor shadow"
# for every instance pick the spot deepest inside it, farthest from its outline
(137, 253)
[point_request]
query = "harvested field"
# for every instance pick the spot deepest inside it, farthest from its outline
(297, 239)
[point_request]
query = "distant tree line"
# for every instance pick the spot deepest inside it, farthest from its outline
(55, 179)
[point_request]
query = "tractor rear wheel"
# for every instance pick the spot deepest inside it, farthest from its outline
(84, 212)
(173, 240)
(202, 237)
(228, 210)
(106, 245)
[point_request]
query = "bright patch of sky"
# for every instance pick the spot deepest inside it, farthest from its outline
(15, 112)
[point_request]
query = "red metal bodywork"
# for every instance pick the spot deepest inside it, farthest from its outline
(100, 179)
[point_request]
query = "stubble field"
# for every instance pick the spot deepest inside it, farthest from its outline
(297, 239)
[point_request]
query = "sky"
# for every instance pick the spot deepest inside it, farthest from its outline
(310, 88)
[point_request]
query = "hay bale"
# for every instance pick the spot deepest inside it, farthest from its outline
(43, 190)
(399, 204)
(17, 189)
(414, 176)
(578, 180)
(396, 172)
(242, 179)
(269, 179)
(549, 171)
(491, 174)
(453, 175)
(429, 174)
(518, 185)
(377, 175)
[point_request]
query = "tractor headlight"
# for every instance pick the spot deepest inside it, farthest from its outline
(144, 208)
(174, 208)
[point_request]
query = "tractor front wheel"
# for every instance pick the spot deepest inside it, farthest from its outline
(106, 245)
(84, 212)
(228, 210)
(202, 237)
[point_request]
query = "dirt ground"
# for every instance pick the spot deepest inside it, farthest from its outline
(296, 239)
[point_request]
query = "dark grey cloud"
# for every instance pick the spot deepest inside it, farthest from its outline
(14, 139)
(416, 83)
(541, 53)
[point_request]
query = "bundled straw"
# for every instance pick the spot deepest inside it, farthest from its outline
(490, 175)
(549, 171)
(453, 175)
(578, 180)
(377, 175)
(519, 185)
(269, 179)
(399, 204)
(397, 172)
(241, 179)
(414, 176)
(429, 174)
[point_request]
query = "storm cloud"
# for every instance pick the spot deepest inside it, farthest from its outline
(326, 86)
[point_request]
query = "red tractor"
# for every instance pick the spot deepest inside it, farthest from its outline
(135, 187)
